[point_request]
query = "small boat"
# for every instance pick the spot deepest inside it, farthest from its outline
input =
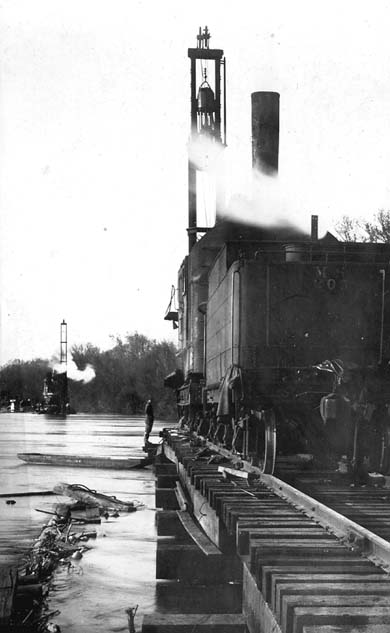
(86, 461)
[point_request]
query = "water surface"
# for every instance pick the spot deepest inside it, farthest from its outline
(119, 571)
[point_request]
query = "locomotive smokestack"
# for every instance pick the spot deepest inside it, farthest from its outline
(265, 132)
(314, 228)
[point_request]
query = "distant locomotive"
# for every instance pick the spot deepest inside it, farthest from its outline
(284, 339)
(55, 399)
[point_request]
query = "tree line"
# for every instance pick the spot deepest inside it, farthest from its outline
(125, 377)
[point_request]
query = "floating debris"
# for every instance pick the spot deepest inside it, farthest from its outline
(61, 542)
(56, 544)
(94, 498)
(131, 611)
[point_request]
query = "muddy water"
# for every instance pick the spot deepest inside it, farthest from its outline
(119, 571)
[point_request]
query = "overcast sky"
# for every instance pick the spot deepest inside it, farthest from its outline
(94, 122)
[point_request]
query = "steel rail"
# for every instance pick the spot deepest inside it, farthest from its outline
(356, 536)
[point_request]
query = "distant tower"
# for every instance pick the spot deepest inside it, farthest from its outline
(62, 377)
(55, 385)
(208, 114)
(64, 342)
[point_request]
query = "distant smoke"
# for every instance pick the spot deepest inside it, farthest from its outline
(83, 375)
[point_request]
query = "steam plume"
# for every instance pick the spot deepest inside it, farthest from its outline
(204, 152)
(83, 375)
(271, 202)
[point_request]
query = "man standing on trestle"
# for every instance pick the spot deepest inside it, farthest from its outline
(149, 419)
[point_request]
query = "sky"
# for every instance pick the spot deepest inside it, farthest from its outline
(94, 128)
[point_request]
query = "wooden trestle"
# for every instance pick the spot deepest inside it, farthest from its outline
(261, 562)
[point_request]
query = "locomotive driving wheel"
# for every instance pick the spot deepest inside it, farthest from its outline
(263, 451)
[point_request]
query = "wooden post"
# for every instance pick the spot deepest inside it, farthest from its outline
(8, 575)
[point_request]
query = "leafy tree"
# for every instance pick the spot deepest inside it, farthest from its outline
(125, 377)
(20, 380)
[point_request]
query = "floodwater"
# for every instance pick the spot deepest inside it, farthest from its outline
(118, 572)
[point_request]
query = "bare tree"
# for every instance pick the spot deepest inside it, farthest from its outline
(379, 230)
(351, 230)
(357, 230)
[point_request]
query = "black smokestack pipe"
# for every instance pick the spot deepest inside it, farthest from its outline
(265, 132)
(314, 228)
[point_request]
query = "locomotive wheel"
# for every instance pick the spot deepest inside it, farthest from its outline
(265, 441)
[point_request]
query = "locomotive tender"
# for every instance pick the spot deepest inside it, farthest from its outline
(284, 341)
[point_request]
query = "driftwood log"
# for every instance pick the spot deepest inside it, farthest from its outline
(94, 498)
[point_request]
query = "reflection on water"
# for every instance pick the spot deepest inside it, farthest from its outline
(119, 571)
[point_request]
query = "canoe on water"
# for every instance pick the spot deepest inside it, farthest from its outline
(85, 461)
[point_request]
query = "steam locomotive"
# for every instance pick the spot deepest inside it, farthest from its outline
(284, 338)
(285, 345)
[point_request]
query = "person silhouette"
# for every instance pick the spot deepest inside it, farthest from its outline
(149, 419)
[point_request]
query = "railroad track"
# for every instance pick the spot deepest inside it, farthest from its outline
(315, 559)
(366, 505)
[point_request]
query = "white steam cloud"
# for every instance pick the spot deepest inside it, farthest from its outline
(246, 195)
(267, 203)
(204, 152)
(79, 375)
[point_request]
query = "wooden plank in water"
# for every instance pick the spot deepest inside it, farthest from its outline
(8, 575)
(197, 535)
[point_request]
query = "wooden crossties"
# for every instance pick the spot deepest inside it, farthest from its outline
(368, 506)
(298, 576)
